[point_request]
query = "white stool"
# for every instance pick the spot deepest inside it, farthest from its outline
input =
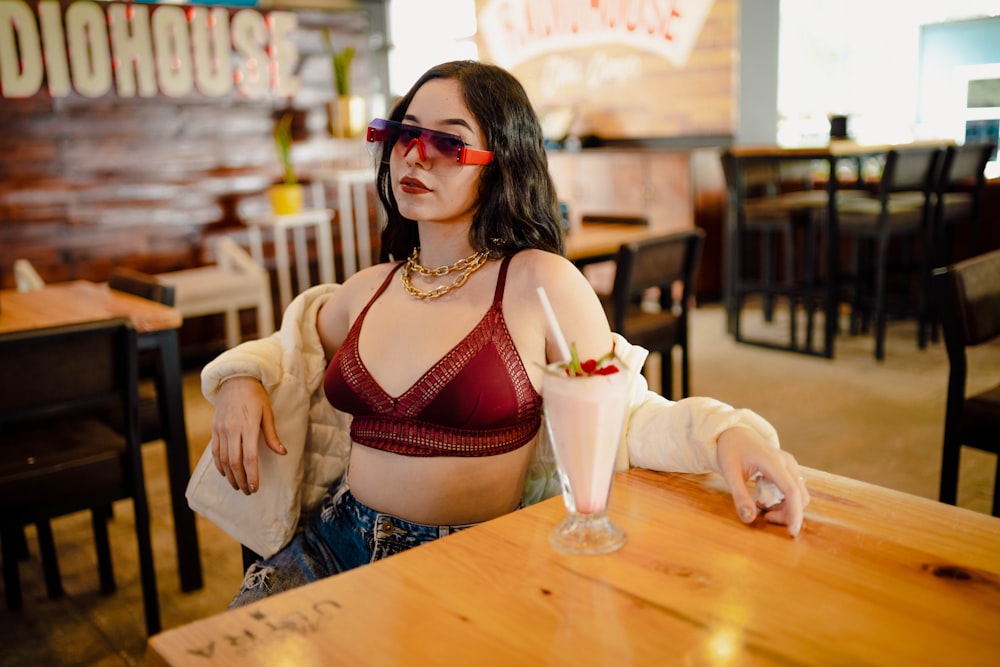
(26, 277)
(235, 282)
(352, 212)
(297, 223)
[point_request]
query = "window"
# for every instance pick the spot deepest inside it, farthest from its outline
(426, 33)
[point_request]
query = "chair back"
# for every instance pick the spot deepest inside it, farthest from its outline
(141, 284)
(910, 170)
(958, 196)
(602, 219)
(660, 262)
(968, 296)
(657, 262)
(965, 165)
(66, 371)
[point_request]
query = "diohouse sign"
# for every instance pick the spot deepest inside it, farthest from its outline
(134, 50)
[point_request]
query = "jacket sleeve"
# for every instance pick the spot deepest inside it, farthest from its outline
(680, 436)
(280, 357)
(290, 365)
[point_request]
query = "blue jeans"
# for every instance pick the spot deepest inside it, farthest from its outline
(345, 534)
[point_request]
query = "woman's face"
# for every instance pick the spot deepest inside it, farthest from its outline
(429, 186)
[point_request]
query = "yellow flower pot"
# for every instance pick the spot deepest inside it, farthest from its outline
(286, 199)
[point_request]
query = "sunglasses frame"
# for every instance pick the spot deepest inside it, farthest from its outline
(384, 131)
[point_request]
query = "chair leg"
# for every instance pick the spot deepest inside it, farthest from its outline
(810, 273)
(667, 373)
(50, 560)
(233, 330)
(11, 574)
(948, 490)
(767, 273)
(791, 287)
(996, 490)
(249, 557)
(147, 570)
(20, 544)
(685, 371)
(880, 298)
(105, 569)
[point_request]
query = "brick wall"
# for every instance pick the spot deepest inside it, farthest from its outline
(88, 184)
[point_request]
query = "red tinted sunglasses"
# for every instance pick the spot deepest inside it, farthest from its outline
(388, 132)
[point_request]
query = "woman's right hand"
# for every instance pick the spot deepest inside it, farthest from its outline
(242, 411)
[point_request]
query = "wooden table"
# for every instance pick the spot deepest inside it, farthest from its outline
(877, 577)
(59, 304)
(600, 242)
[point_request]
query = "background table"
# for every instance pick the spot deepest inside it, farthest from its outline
(59, 304)
(877, 577)
(600, 242)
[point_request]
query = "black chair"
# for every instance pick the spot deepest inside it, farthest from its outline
(665, 266)
(150, 428)
(149, 287)
(58, 454)
(901, 210)
(959, 199)
(968, 300)
(772, 207)
(141, 284)
(957, 206)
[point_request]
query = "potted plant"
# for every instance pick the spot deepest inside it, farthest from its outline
(347, 113)
(286, 197)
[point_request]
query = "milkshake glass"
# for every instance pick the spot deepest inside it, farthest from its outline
(584, 416)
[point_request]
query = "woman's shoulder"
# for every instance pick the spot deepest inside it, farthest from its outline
(541, 262)
(343, 305)
(367, 279)
(540, 267)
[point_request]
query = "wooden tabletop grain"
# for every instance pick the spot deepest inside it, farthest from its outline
(78, 301)
(877, 577)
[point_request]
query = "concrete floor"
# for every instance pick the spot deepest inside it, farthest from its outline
(878, 422)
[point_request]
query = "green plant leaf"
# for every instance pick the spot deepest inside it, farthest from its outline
(283, 144)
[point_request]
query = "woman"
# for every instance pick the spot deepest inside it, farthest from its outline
(439, 357)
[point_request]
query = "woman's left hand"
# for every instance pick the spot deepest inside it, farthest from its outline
(742, 455)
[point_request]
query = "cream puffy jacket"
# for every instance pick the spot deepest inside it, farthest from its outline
(659, 434)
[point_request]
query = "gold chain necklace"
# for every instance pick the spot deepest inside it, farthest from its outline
(467, 265)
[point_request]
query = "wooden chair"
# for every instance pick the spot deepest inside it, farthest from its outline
(142, 284)
(149, 287)
(900, 210)
(665, 266)
(958, 199)
(770, 215)
(58, 455)
(236, 282)
(957, 207)
(968, 300)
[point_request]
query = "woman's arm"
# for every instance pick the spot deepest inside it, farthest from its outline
(243, 381)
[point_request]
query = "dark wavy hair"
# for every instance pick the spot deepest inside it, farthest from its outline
(517, 207)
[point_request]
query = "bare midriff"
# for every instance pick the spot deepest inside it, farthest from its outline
(440, 490)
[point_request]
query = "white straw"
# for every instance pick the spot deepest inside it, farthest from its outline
(554, 324)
